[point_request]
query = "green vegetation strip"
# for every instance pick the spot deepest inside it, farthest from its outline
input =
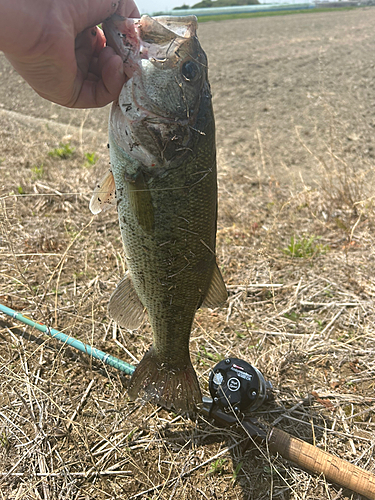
(225, 17)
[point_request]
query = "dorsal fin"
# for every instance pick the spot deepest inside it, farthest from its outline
(217, 293)
(124, 305)
(104, 194)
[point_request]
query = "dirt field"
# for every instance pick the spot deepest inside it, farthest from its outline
(294, 99)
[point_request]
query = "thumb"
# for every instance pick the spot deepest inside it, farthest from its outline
(88, 13)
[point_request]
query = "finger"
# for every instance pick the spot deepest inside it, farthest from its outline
(97, 63)
(100, 93)
(85, 44)
(127, 8)
(92, 77)
(89, 13)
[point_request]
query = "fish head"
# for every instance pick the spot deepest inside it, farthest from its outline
(155, 115)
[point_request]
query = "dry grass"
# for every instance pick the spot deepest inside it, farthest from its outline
(67, 428)
(298, 262)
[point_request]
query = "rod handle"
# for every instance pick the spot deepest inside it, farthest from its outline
(315, 460)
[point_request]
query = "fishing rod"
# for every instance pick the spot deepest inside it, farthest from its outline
(235, 387)
(68, 340)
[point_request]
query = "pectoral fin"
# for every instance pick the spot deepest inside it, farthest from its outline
(104, 194)
(217, 293)
(124, 305)
(141, 202)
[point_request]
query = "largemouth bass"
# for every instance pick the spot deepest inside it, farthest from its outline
(163, 180)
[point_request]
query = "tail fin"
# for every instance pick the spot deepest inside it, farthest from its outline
(168, 386)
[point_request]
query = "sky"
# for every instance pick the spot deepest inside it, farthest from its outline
(151, 6)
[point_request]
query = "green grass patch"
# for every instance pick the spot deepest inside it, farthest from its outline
(91, 159)
(236, 471)
(4, 441)
(245, 15)
(204, 355)
(63, 152)
(305, 247)
(217, 467)
(37, 172)
(293, 316)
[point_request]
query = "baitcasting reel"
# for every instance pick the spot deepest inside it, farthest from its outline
(236, 386)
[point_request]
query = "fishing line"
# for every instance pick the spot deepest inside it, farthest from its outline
(28, 195)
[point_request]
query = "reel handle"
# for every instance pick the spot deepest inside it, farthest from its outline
(315, 460)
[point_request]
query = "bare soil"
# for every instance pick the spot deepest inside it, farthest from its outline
(294, 99)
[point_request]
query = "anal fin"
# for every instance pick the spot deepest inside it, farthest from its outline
(124, 305)
(217, 293)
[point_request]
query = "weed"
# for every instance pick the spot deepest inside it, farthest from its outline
(249, 324)
(341, 225)
(320, 323)
(305, 248)
(63, 152)
(37, 172)
(217, 467)
(237, 471)
(347, 186)
(131, 434)
(20, 190)
(4, 441)
(203, 355)
(91, 159)
(293, 316)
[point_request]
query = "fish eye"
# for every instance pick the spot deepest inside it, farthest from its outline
(189, 71)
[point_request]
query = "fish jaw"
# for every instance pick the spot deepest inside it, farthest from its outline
(155, 114)
(127, 46)
(135, 39)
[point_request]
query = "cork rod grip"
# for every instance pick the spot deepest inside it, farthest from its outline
(318, 461)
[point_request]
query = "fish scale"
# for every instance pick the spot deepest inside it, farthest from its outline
(167, 277)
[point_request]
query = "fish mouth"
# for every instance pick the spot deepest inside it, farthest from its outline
(167, 76)
(167, 44)
(147, 37)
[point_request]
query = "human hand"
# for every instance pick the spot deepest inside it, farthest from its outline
(57, 48)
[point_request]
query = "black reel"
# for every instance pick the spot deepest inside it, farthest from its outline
(237, 386)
